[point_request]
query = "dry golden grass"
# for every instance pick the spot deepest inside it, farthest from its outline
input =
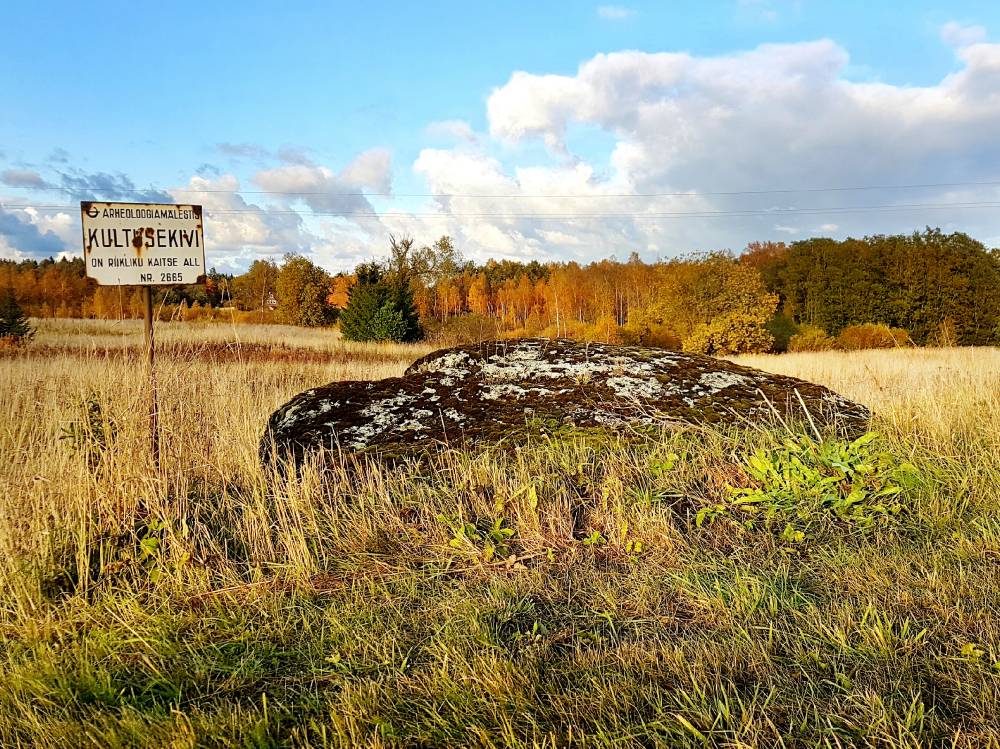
(218, 604)
(99, 335)
(939, 392)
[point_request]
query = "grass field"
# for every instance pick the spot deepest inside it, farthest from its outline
(583, 590)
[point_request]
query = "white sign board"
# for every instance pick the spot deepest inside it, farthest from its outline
(143, 244)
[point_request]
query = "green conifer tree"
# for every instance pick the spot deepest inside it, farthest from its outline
(378, 310)
(13, 322)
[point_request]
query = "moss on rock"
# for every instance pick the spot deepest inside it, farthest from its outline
(483, 393)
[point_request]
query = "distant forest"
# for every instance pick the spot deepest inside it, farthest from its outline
(924, 288)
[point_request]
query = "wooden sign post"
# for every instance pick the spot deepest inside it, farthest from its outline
(154, 414)
(146, 245)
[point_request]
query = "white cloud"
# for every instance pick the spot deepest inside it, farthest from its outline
(63, 225)
(684, 146)
(328, 192)
(958, 35)
(371, 169)
(614, 12)
(236, 231)
(533, 212)
(459, 130)
(26, 232)
(777, 116)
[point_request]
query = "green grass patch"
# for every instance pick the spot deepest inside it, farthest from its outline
(634, 592)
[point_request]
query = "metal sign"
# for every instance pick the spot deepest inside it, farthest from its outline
(143, 244)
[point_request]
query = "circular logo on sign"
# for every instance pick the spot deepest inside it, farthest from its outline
(92, 212)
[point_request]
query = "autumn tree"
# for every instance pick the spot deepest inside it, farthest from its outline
(735, 307)
(913, 282)
(938, 287)
(479, 295)
(714, 305)
(302, 288)
(255, 288)
(340, 288)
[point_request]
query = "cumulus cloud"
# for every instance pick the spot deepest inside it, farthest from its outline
(237, 231)
(955, 34)
(329, 192)
(614, 12)
(22, 238)
(317, 186)
(705, 135)
(495, 214)
(371, 169)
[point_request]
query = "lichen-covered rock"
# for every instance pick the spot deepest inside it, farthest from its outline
(488, 392)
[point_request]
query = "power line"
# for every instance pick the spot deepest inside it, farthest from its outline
(812, 210)
(685, 194)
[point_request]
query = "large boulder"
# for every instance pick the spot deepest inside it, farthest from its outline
(488, 392)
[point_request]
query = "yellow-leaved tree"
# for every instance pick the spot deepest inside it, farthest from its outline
(716, 306)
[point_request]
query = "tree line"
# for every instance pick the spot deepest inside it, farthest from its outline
(926, 287)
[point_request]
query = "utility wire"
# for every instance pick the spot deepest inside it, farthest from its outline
(813, 210)
(686, 194)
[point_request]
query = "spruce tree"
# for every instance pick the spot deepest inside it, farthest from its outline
(364, 302)
(411, 330)
(13, 323)
(378, 310)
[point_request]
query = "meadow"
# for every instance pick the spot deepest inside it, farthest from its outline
(685, 588)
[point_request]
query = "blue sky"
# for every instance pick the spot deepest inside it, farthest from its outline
(520, 99)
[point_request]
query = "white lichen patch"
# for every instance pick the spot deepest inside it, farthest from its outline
(612, 419)
(497, 391)
(525, 353)
(665, 360)
(381, 416)
(451, 413)
(289, 417)
(634, 388)
(716, 381)
(508, 370)
(608, 418)
(414, 423)
(452, 363)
